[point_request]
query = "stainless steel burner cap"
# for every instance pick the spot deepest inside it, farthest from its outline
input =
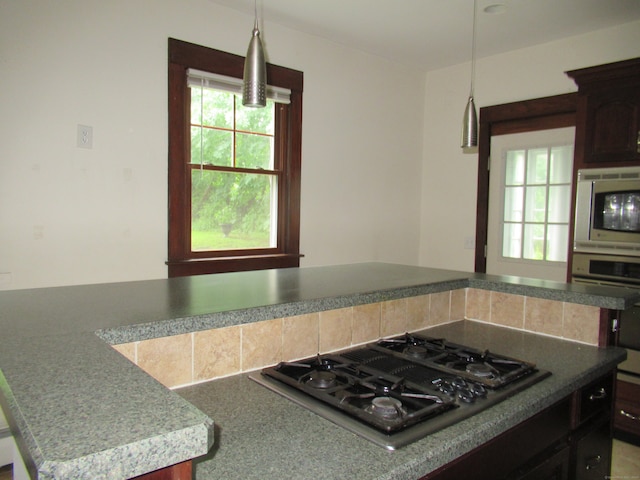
(479, 369)
(321, 379)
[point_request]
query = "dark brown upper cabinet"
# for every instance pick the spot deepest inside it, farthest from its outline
(608, 114)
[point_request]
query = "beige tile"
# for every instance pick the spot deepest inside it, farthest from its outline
(167, 359)
(393, 317)
(478, 306)
(261, 344)
(458, 304)
(418, 312)
(507, 310)
(300, 336)
(127, 349)
(440, 311)
(335, 329)
(366, 323)
(581, 323)
(216, 353)
(543, 316)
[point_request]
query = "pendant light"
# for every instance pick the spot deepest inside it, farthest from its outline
(254, 79)
(470, 120)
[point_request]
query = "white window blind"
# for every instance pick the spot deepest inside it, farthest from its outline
(199, 78)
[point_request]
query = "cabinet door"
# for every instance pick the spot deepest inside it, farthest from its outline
(627, 412)
(593, 453)
(612, 130)
(553, 468)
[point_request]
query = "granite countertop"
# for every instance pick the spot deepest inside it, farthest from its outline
(261, 435)
(77, 408)
(131, 311)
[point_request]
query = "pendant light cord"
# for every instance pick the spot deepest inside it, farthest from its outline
(255, 13)
(473, 50)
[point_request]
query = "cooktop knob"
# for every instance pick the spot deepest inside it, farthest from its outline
(466, 395)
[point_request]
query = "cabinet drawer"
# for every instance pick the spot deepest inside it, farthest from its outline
(593, 452)
(627, 410)
(596, 398)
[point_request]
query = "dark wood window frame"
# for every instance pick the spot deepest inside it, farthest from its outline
(529, 115)
(182, 260)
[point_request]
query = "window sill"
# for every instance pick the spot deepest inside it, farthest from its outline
(203, 266)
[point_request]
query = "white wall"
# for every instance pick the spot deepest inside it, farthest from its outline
(449, 177)
(73, 216)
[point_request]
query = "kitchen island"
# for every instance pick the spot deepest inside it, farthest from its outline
(78, 409)
(265, 436)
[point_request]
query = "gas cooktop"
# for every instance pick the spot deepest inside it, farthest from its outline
(398, 390)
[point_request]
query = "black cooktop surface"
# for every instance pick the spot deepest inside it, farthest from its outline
(399, 389)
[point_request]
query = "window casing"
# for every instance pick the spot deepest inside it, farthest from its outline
(282, 249)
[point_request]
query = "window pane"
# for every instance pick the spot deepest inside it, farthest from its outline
(232, 210)
(512, 240)
(559, 199)
(254, 151)
(216, 108)
(537, 166)
(557, 241)
(560, 164)
(513, 204)
(515, 167)
(217, 146)
(535, 204)
(532, 248)
(258, 120)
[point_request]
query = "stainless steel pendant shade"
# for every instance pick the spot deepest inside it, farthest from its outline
(470, 125)
(254, 88)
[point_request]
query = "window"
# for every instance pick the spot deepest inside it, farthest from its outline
(537, 203)
(234, 172)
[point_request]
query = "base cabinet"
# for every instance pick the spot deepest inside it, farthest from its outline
(570, 440)
(516, 453)
(593, 453)
(179, 471)
(555, 467)
(626, 420)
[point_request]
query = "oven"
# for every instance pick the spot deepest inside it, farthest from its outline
(400, 389)
(607, 216)
(618, 271)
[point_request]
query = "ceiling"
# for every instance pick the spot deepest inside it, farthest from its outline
(432, 34)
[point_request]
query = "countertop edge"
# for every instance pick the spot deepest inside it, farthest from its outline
(569, 293)
(138, 458)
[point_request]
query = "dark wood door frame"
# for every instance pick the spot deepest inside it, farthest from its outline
(529, 115)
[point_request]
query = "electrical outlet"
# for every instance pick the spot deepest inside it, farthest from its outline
(85, 136)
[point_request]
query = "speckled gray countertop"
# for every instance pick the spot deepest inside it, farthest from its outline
(131, 311)
(261, 435)
(80, 410)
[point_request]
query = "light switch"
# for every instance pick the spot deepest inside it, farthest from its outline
(469, 243)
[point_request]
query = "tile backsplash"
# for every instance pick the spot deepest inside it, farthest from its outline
(205, 355)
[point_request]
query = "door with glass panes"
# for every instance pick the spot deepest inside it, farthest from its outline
(530, 204)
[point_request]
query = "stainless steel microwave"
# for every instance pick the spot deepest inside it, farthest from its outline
(608, 211)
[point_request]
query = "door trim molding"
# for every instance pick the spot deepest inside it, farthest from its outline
(525, 116)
